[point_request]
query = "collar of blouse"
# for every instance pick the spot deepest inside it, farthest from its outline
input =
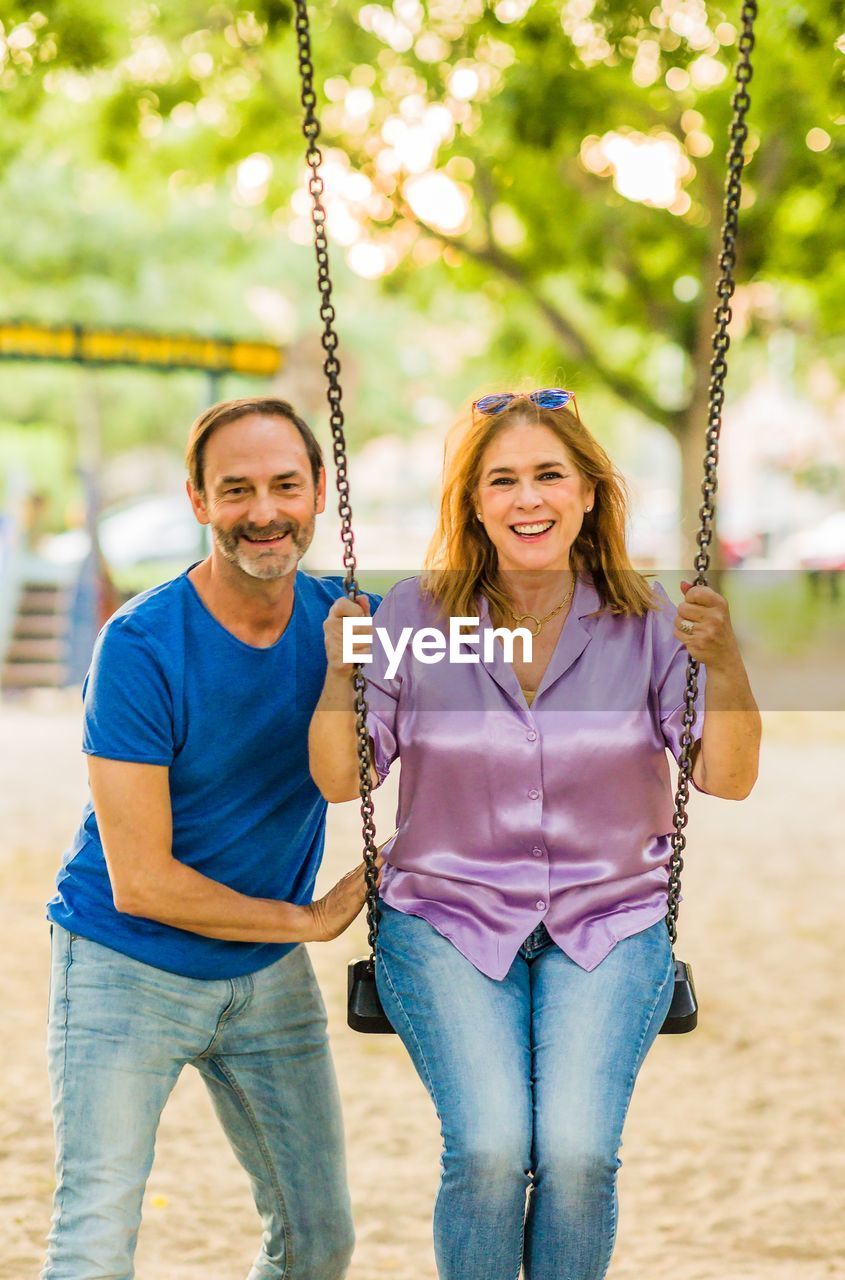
(573, 640)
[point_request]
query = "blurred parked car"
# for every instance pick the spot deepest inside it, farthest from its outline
(142, 542)
(823, 548)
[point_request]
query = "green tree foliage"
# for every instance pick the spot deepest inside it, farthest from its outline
(536, 96)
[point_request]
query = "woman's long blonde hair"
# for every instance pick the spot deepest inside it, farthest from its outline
(462, 562)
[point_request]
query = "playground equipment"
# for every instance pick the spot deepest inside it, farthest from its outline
(365, 1012)
(40, 617)
(50, 612)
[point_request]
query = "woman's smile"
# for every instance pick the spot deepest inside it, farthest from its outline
(533, 531)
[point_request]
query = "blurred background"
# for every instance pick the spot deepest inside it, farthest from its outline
(520, 193)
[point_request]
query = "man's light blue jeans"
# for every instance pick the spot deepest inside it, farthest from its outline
(531, 1078)
(120, 1034)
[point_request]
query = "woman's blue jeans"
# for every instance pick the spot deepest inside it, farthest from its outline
(531, 1078)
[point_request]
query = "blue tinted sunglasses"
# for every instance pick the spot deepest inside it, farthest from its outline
(547, 398)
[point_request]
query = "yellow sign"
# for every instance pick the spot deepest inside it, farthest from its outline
(21, 340)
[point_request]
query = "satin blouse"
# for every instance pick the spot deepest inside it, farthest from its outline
(510, 815)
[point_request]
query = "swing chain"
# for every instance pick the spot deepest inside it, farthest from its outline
(716, 396)
(331, 367)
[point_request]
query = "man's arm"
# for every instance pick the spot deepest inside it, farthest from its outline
(132, 804)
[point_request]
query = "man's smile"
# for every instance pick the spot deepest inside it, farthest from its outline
(265, 539)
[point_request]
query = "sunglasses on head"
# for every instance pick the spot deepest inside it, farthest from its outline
(547, 398)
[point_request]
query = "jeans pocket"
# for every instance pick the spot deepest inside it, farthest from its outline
(61, 958)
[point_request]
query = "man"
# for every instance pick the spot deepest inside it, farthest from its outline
(188, 886)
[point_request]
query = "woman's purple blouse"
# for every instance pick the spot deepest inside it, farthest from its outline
(509, 816)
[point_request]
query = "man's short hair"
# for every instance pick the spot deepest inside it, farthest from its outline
(226, 411)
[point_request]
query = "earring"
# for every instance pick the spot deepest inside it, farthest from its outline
(478, 516)
(587, 510)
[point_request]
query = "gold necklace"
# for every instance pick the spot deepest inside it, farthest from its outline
(519, 618)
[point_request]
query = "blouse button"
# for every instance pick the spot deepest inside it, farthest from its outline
(538, 853)
(541, 906)
(533, 794)
(532, 737)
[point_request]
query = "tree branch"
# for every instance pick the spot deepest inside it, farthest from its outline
(616, 380)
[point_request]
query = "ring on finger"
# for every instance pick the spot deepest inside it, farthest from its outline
(686, 626)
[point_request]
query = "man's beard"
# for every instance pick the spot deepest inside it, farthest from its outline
(273, 563)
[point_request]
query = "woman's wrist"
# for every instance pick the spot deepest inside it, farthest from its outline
(340, 672)
(337, 689)
(727, 666)
(728, 687)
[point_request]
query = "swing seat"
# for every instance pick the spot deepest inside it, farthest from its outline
(683, 1011)
(364, 1011)
(365, 1014)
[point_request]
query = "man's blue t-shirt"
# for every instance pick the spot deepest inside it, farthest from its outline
(169, 685)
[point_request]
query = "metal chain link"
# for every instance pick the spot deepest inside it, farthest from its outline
(718, 371)
(331, 367)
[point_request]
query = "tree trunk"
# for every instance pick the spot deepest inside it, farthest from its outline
(692, 444)
(692, 436)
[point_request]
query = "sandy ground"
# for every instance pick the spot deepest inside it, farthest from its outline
(734, 1161)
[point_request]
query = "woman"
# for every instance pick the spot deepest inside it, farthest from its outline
(523, 954)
